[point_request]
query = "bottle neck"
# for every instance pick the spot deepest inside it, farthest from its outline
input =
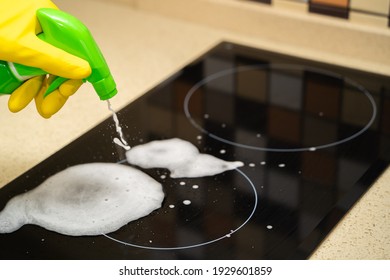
(8, 82)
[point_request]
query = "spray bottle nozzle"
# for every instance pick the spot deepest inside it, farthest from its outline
(71, 35)
(105, 88)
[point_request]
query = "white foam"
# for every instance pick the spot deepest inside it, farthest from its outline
(186, 202)
(180, 157)
(99, 198)
(86, 199)
(120, 143)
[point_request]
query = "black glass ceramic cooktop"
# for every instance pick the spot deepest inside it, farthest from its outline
(313, 138)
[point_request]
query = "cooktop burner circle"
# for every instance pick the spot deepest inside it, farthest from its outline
(292, 106)
(247, 189)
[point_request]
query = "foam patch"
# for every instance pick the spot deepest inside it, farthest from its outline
(181, 158)
(86, 199)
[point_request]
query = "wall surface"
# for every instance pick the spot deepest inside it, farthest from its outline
(288, 28)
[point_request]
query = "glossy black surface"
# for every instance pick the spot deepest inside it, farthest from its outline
(313, 138)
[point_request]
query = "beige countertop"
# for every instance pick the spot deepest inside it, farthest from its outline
(143, 49)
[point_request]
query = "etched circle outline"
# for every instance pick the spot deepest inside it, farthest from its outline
(203, 243)
(278, 67)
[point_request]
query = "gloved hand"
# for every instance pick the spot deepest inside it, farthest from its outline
(19, 43)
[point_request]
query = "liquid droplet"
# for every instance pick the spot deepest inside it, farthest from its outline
(186, 202)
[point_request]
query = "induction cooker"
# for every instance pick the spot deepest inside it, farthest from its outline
(313, 138)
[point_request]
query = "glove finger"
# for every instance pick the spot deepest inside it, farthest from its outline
(70, 87)
(51, 104)
(39, 99)
(54, 60)
(23, 95)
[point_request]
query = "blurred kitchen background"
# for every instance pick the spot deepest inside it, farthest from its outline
(367, 12)
(335, 31)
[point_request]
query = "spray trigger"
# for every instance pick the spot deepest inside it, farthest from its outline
(56, 83)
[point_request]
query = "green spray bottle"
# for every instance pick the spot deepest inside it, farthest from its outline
(71, 35)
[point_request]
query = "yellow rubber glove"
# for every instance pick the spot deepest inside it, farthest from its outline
(19, 43)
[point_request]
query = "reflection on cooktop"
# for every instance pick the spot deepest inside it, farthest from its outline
(313, 138)
(289, 114)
